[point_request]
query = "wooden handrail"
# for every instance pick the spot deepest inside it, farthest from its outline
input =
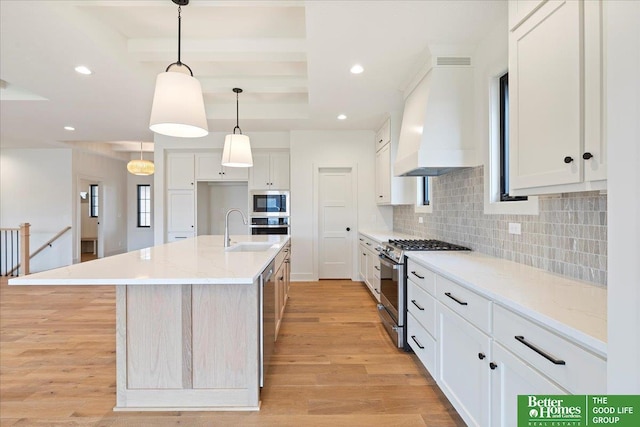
(25, 248)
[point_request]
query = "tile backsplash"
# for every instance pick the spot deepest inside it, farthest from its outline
(568, 237)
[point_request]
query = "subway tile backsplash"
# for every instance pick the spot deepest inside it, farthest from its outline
(568, 237)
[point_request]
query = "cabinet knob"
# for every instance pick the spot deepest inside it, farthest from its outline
(587, 155)
(380, 197)
(219, 173)
(493, 365)
(481, 356)
(568, 159)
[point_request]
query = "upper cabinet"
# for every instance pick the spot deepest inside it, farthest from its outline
(209, 168)
(391, 190)
(555, 91)
(270, 171)
(180, 171)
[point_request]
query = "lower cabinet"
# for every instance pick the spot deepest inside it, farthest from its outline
(369, 265)
(282, 283)
(463, 374)
(510, 376)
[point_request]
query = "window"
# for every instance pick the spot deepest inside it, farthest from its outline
(144, 206)
(504, 142)
(423, 195)
(93, 207)
(425, 191)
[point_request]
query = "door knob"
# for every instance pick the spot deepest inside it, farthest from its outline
(348, 228)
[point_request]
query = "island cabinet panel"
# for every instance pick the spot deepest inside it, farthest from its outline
(225, 339)
(154, 361)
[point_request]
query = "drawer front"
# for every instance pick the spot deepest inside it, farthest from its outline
(421, 276)
(422, 344)
(575, 369)
(367, 242)
(422, 306)
(473, 307)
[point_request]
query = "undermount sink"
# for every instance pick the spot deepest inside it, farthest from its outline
(249, 247)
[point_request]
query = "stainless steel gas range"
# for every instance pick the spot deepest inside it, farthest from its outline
(393, 283)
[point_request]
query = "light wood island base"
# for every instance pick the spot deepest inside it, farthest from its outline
(187, 347)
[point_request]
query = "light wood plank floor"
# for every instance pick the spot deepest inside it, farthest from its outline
(333, 365)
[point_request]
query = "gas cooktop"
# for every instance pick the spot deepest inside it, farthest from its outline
(395, 249)
(426, 245)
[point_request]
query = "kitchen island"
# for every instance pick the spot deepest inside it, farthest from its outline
(188, 324)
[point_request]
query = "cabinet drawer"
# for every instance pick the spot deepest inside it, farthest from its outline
(422, 343)
(575, 369)
(367, 242)
(421, 276)
(177, 236)
(422, 306)
(468, 304)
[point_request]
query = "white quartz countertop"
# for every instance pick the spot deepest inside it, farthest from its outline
(573, 308)
(382, 236)
(200, 260)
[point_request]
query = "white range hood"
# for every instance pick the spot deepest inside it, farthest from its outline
(437, 124)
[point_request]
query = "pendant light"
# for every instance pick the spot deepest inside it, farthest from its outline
(141, 167)
(178, 105)
(237, 148)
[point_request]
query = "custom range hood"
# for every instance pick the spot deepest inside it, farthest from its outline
(436, 136)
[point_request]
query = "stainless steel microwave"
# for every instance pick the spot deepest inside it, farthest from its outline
(270, 203)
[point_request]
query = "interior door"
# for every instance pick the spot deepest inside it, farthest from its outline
(336, 222)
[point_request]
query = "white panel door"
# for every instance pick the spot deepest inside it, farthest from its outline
(336, 223)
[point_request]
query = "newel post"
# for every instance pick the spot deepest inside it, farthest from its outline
(24, 248)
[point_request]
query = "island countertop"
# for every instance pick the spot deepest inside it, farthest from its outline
(200, 260)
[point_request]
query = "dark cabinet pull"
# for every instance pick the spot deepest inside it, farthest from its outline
(362, 240)
(368, 244)
(376, 267)
(416, 304)
(413, 337)
(348, 228)
(380, 197)
(542, 353)
(587, 155)
(417, 275)
(455, 299)
(493, 365)
(568, 159)
(481, 356)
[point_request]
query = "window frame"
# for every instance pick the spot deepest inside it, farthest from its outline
(139, 209)
(420, 206)
(503, 82)
(94, 201)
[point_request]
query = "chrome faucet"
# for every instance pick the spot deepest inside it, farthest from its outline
(227, 239)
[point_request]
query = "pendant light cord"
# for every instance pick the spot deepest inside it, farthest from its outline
(237, 116)
(179, 63)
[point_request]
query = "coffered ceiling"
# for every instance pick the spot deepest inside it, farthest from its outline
(290, 57)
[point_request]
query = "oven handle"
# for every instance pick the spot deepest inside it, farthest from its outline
(386, 261)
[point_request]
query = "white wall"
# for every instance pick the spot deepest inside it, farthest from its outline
(309, 150)
(111, 175)
(138, 237)
(35, 187)
(622, 90)
(214, 200)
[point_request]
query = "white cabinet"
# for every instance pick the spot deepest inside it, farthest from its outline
(555, 85)
(391, 190)
(369, 265)
(270, 171)
(180, 213)
(463, 374)
(180, 171)
(209, 168)
(383, 175)
(510, 376)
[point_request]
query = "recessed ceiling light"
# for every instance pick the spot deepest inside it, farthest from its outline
(69, 128)
(342, 117)
(83, 70)
(357, 69)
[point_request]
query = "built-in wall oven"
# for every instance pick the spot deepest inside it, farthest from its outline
(393, 283)
(270, 225)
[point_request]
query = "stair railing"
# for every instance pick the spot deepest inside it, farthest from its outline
(23, 266)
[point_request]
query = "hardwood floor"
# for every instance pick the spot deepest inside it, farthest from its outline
(333, 365)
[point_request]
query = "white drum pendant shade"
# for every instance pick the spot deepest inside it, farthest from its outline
(237, 151)
(178, 106)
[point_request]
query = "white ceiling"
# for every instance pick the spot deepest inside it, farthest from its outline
(291, 58)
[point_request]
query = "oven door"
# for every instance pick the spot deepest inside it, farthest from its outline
(391, 308)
